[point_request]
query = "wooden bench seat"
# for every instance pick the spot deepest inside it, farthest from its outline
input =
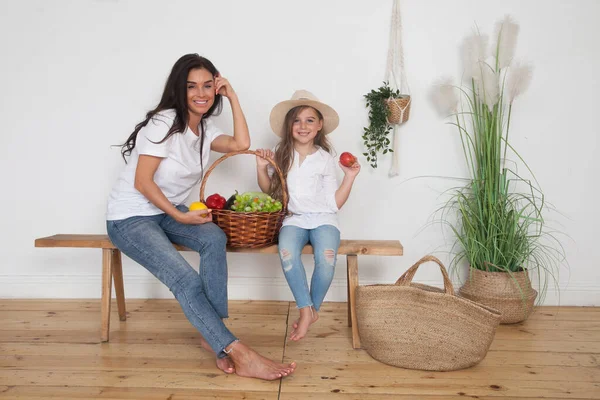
(112, 268)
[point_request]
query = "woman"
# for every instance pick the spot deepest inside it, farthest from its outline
(168, 153)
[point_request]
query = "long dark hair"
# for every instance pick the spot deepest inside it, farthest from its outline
(284, 152)
(175, 97)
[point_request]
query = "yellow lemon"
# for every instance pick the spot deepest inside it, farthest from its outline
(197, 206)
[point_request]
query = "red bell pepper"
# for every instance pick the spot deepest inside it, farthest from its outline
(216, 202)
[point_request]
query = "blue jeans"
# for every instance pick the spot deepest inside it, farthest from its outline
(202, 296)
(325, 241)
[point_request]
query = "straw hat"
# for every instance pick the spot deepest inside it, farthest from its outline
(303, 98)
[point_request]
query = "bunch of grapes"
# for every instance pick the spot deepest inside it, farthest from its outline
(255, 202)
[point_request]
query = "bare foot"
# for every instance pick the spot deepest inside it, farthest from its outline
(224, 364)
(307, 317)
(250, 364)
(295, 324)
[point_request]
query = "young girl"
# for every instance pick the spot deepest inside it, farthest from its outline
(304, 156)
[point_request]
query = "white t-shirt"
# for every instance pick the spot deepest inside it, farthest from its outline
(179, 171)
(312, 188)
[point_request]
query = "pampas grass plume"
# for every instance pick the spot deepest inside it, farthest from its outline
(488, 84)
(443, 96)
(505, 44)
(518, 80)
(473, 52)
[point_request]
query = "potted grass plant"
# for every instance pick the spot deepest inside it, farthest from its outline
(497, 218)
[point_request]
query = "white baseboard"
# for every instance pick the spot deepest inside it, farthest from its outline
(240, 288)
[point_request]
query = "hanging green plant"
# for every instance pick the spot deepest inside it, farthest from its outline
(376, 135)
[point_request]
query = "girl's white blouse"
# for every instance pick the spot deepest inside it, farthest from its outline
(312, 186)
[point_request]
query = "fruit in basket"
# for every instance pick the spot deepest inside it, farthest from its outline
(255, 202)
(347, 159)
(216, 201)
(258, 195)
(197, 205)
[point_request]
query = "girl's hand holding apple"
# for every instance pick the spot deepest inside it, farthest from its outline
(349, 164)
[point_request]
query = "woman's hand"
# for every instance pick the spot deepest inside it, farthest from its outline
(351, 171)
(261, 158)
(195, 217)
(223, 87)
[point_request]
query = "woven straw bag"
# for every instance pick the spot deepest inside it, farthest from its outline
(416, 326)
(248, 229)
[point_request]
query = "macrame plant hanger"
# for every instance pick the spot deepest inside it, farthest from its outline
(399, 108)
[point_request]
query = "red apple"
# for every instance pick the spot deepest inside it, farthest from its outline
(347, 159)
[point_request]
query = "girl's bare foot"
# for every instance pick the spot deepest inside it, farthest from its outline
(224, 364)
(307, 317)
(250, 364)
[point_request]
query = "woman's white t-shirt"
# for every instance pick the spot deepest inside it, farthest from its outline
(312, 186)
(179, 171)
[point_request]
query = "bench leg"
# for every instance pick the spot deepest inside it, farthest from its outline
(107, 261)
(352, 261)
(117, 271)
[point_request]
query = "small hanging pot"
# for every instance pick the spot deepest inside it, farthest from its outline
(399, 109)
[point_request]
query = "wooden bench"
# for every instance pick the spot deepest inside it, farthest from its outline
(112, 269)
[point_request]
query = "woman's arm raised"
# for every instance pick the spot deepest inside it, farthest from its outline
(241, 137)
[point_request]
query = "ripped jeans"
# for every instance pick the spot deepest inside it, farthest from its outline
(325, 240)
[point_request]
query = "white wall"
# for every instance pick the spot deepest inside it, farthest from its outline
(76, 76)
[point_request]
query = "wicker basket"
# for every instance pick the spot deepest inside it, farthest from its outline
(511, 294)
(248, 229)
(416, 326)
(399, 109)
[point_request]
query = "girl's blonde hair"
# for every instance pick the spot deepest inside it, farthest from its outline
(284, 151)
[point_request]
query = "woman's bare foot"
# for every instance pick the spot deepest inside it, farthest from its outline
(307, 317)
(250, 364)
(224, 364)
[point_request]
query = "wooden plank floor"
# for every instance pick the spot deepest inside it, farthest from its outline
(50, 349)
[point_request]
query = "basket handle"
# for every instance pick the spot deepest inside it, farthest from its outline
(235, 153)
(408, 276)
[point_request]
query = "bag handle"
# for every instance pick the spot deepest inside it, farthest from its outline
(408, 276)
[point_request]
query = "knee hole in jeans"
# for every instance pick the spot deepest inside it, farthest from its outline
(286, 259)
(329, 256)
